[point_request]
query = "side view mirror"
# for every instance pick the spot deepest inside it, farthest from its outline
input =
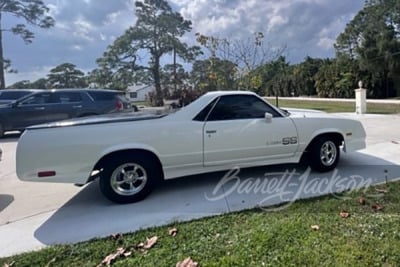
(268, 117)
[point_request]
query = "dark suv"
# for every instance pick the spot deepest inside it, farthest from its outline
(60, 104)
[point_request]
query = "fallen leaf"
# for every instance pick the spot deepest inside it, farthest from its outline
(377, 207)
(344, 214)
(217, 235)
(149, 243)
(173, 232)
(383, 191)
(127, 254)
(188, 262)
(362, 201)
(50, 263)
(315, 227)
(112, 257)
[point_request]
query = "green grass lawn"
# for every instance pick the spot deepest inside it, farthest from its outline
(337, 106)
(256, 238)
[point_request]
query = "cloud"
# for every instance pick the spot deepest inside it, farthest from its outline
(305, 27)
(84, 28)
(32, 74)
(82, 32)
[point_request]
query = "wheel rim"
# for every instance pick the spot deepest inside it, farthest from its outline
(328, 153)
(128, 179)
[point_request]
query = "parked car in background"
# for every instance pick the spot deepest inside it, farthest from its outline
(10, 95)
(60, 104)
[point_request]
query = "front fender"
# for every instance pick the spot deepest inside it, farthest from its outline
(351, 131)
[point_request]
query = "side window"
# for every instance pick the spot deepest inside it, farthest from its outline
(239, 107)
(68, 97)
(202, 116)
(38, 99)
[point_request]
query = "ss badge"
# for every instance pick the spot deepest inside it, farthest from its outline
(289, 141)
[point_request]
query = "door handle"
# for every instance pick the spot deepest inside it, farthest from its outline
(79, 106)
(211, 131)
(39, 108)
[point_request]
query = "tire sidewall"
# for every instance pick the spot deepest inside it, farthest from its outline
(113, 164)
(315, 158)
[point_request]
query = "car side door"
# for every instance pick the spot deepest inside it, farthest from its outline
(237, 131)
(65, 105)
(30, 111)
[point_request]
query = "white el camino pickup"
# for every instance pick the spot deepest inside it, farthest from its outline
(130, 153)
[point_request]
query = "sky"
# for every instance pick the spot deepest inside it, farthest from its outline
(84, 29)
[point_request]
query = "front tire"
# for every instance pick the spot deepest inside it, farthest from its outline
(128, 180)
(1, 130)
(324, 154)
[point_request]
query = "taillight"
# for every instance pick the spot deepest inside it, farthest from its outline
(120, 105)
(46, 174)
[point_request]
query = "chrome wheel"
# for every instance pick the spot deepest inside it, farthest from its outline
(128, 179)
(328, 153)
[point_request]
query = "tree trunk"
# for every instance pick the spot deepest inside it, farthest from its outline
(156, 71)
(2, 79)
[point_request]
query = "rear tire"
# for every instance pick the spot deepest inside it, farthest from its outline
(324, 154)
(128, 180)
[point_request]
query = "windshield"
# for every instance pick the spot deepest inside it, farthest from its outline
(12, 95)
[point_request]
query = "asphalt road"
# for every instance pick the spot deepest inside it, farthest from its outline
(34, 215)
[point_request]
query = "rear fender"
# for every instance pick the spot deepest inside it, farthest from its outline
(129, 146)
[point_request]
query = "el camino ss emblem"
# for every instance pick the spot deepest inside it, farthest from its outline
(285, 141)
(289, 141)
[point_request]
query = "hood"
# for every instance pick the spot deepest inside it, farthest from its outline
(302, 111)
(299, 112)
(100, 119)
(308, 113)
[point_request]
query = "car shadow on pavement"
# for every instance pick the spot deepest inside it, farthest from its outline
(5, 201)
(89, 215)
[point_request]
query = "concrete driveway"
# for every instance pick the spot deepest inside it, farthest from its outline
(34, 215)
